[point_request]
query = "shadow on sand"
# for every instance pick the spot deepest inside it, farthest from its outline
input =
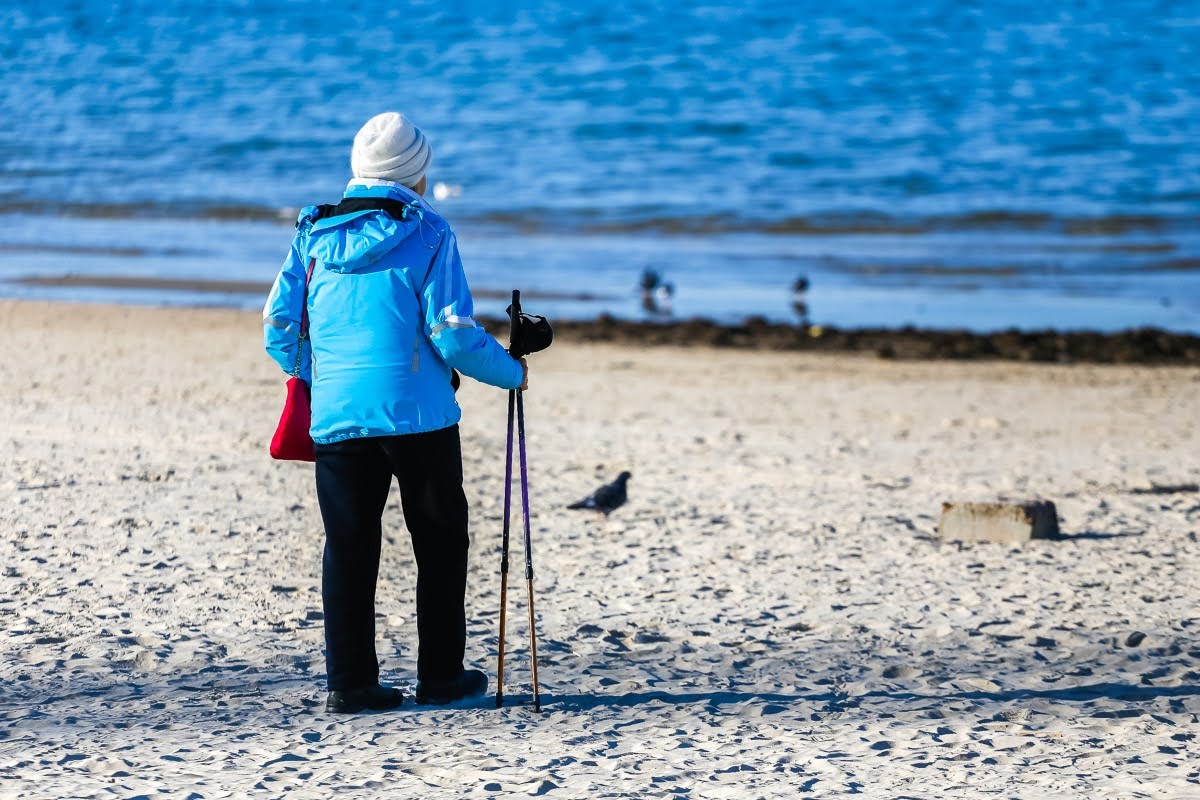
(1084, 693)
(1092, 535)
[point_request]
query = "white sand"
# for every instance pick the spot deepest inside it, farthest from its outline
(769, 616)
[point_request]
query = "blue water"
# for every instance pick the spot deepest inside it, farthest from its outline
(934, 163)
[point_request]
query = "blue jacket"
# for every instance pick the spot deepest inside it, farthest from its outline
(389, 313)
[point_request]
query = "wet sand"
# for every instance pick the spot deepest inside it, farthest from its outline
(771, 614)
(218, 287)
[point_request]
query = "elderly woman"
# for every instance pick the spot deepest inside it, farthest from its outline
(389, 318)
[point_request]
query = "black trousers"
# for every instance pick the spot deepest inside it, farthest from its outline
(353, 480)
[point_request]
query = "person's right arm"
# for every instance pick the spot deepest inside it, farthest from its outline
(448, 307)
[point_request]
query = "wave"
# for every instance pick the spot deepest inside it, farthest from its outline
(594, 222)
(598, 221)
(867, 270)
(97, 250)
(150, 210)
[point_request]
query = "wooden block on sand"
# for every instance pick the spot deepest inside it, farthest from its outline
(999, 522)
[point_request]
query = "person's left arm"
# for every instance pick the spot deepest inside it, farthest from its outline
(283, 313)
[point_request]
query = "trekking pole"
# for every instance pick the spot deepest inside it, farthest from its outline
(508, 458)
(537, 700)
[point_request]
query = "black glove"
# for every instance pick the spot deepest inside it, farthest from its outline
(532, 334)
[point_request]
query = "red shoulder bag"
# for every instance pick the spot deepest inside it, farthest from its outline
(292, 441)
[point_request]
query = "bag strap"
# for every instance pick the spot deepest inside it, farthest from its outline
(312, 262)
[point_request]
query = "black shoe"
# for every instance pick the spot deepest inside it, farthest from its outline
(471, 683)
(375, 698)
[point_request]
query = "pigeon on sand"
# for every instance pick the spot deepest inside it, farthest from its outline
(607, 498)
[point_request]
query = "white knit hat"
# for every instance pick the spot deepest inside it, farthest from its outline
(390, 147)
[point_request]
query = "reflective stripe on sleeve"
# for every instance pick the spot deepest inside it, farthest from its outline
(282, 324)
(453, 322)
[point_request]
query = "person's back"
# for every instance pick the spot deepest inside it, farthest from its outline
(379, 282)
(388, 308)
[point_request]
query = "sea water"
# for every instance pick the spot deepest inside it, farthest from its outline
(935, 163)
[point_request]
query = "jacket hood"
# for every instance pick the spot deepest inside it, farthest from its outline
(355, 241)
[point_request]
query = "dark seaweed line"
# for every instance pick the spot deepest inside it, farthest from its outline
(1140, 346)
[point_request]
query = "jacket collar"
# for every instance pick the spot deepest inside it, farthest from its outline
(377, 187)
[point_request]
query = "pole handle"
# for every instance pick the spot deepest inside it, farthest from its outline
(514, 314)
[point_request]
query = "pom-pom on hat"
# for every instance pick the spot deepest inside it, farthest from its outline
(391, 148)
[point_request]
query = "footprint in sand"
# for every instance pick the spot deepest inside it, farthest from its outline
(901, 671)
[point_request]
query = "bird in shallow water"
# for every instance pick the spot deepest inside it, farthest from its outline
(607, 498)
(649, 282)
(800, 298)
(664, 298)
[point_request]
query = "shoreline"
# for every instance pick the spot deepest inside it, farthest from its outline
(1148, 346)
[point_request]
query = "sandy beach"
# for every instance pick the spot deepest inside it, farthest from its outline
(771, 614)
